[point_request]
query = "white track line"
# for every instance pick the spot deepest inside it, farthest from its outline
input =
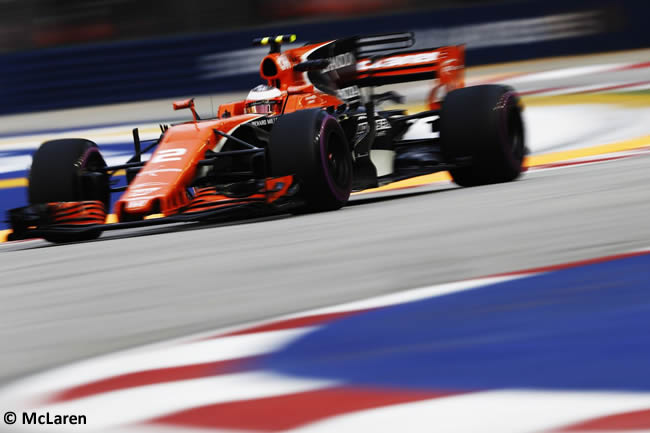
(197, 352)
(410, 295)
(564, 73)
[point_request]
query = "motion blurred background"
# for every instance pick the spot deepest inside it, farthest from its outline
(30, 24)
(70, 53)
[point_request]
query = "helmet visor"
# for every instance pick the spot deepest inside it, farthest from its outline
(263, 107)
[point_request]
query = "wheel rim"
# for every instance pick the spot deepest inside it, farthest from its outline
(338, 165)
(92, 161)
(515, 135)
(336, 161)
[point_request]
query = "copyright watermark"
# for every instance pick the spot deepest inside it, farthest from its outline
(44, 418)
(10, 418)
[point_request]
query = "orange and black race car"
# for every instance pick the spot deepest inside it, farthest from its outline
(301, 142)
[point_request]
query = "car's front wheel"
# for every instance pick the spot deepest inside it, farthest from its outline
(69, 170)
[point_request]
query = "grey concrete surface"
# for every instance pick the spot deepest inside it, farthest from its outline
(62, 303)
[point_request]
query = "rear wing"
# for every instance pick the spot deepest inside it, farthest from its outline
(379, 60)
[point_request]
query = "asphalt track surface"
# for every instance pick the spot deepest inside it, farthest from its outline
(63, 303)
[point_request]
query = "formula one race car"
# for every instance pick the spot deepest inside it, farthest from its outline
(301, 142)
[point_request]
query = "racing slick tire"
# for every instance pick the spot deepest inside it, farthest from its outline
(57, 173)
(483, 126)
(311, 145)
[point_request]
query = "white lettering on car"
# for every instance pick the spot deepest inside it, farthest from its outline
(339, 61)
(135, 203)
(160, 170)
(283, 62)
(142, 191)
(167, 155)
(348, 92)
(395, 61)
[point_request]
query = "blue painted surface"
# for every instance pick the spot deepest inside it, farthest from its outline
(11, 198)
(583, 328)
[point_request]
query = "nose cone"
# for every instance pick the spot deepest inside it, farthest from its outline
(144, 198)
(161, 185)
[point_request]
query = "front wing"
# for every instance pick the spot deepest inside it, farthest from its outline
(60, 221)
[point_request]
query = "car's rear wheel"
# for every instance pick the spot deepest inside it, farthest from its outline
(311, 145)
(69, 170)
(482, 130)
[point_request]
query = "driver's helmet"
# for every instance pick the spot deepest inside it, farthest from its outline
(264, 99)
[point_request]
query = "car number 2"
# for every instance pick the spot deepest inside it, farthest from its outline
(167, 155)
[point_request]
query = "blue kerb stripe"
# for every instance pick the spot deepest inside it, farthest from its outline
(583, 328)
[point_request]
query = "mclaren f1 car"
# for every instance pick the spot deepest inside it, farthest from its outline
(301, 142)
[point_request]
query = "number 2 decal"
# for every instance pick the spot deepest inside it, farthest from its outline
(167, 155)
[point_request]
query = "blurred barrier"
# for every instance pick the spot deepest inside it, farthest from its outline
(201, 64)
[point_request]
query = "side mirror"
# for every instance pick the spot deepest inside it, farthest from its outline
(187, 103)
